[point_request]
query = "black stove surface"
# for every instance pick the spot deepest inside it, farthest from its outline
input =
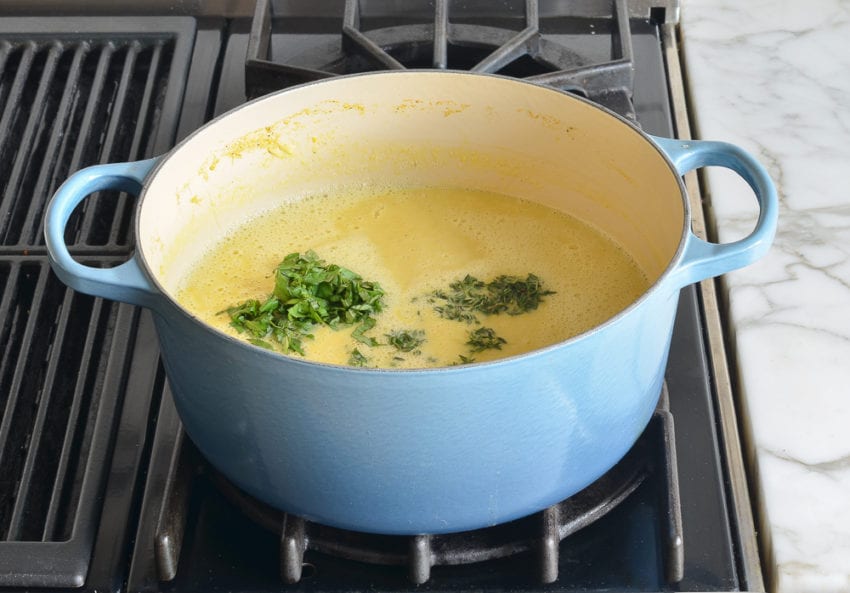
(130, 88)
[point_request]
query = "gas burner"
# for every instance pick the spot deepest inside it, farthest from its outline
(540, 533)
(529, 52)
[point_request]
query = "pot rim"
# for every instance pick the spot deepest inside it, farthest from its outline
(614, 319)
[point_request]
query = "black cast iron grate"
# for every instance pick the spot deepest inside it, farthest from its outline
(539, 534)
(522, 49)
(73, 92)
(48, 418)
(72, 102)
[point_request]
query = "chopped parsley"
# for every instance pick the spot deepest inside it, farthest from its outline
(359, 332)
(308, 292)
(357, 359)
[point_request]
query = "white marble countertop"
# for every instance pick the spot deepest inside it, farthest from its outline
(774, 77)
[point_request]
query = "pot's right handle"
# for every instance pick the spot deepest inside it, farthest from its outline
(702, 259)
(126, 282)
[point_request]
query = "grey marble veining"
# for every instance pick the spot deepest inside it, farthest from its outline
(774, 77)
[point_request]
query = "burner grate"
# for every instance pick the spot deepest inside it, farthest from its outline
(49, 412)
(70, 102)
(58, 400)
(530, 52)
(73, 92)
(539, 534)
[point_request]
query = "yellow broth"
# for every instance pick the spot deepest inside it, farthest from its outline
(414, 241)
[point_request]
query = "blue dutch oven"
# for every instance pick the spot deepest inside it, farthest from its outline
(432, 450)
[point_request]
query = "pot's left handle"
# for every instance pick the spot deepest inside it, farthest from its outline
(701, 259)
(126, 282)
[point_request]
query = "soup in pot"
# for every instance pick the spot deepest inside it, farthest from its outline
(448, 276)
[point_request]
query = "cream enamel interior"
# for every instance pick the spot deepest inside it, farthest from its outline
(411, 129)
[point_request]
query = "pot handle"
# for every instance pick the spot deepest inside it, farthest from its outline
(701, 259)
(126, 282)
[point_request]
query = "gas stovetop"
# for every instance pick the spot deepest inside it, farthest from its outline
(99, 488)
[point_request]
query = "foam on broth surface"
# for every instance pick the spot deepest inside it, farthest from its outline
(413, 241)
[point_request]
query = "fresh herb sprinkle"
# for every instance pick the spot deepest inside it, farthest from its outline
(505, 294)
(357, 359)
(484, 338)
(308, 292)
(406, 340)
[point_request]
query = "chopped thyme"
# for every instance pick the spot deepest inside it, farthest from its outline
(406, 340)
(504, 294)
(484, 338)
(514, 296)
(463, 360)
(465, 297)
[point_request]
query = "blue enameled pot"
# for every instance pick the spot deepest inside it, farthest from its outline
(415, 451)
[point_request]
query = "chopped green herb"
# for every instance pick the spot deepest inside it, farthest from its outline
(261, 343)
(463, 360)
(513, 295)
(465, 298)
(359, 332)
(484, 338)
(262, 320)
(357, 359)
(406, 340)
(308, 292)
(504, 294)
